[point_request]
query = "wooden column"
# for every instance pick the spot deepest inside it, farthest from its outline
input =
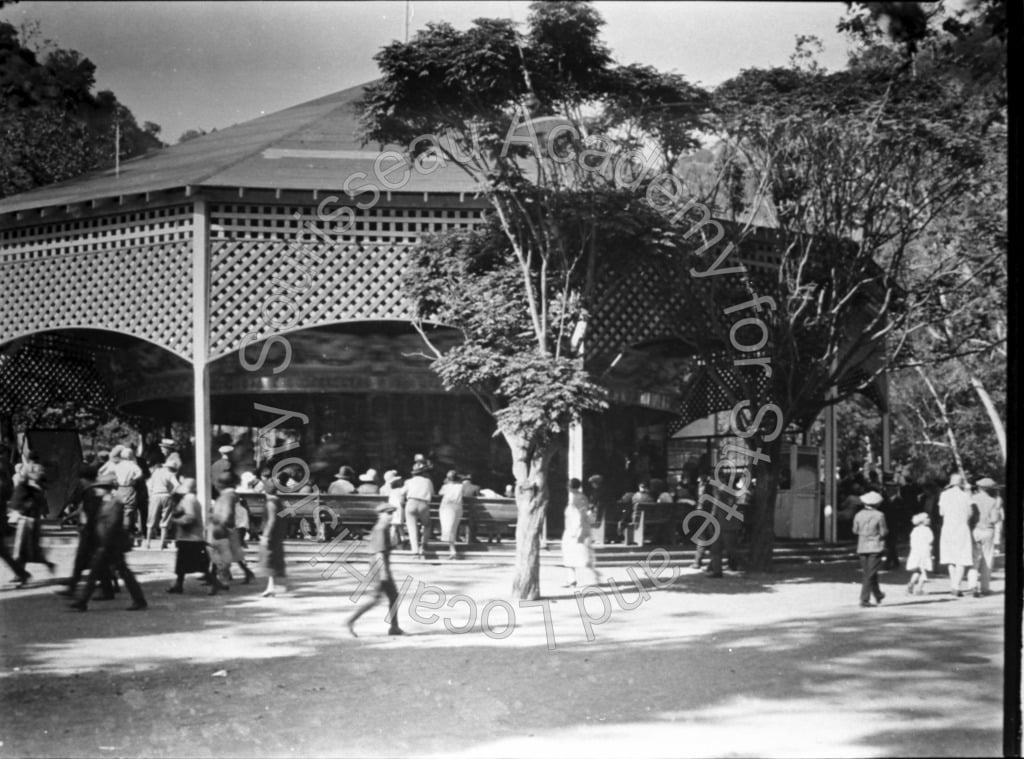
(201, 349)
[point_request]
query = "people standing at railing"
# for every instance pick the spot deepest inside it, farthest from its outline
(450, 511)
(189, 538)
(419, 491)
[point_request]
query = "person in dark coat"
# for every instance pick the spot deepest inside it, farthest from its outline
(90, 501)
(272, 544)
(870, 528)
(380, 561)
(113, 539)
(30, 501)
(190, 537)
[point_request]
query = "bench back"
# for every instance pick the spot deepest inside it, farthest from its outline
(362, 509)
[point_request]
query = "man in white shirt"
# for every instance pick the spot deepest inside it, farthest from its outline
(419, 491)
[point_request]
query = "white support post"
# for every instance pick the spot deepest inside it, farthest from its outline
(575, 463)
(201, 350)
(831, 491)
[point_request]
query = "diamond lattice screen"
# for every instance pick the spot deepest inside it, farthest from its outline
(269, 273)
(48, 369)
(254, 290)
(129, 273)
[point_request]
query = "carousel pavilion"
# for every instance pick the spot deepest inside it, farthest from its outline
(169, 289)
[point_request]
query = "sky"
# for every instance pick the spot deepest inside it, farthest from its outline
(186, 65)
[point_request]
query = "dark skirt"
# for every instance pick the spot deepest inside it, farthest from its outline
(272, 558)
(192, 557)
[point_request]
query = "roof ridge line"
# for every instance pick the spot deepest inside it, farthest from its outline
(263, 146)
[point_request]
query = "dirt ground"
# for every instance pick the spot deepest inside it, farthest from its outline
(785, 665)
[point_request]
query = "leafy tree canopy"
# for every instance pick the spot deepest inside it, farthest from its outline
(52, 125)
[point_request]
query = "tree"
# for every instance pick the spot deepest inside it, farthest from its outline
(540, 120)
(967, 330)
(857, 167)
(191, 134)
(52, 126)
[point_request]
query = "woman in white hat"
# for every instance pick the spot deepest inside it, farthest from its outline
(368, 483)
(956, 545)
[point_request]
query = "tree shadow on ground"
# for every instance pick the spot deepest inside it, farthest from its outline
(885, 681)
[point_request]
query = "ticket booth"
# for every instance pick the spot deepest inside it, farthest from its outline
(798, 506)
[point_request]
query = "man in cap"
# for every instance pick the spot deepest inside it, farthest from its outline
(988, 518)
(380, 565)
(870, 528)
(221, 466)
(112, 540)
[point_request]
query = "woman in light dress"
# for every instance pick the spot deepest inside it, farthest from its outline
(577, 545)
(451, 510)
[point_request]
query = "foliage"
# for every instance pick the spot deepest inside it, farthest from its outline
(860, 168)
(52, 126)
(520, 290)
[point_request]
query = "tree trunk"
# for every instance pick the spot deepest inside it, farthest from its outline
(993, 414)
(531, 500)
(941, 408)
(762, 519)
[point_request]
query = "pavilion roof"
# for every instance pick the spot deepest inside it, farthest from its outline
(310, 146)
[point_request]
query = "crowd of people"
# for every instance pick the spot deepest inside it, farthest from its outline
(970, 520)
(123, 501)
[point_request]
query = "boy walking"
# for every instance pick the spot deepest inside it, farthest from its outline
(380, 561)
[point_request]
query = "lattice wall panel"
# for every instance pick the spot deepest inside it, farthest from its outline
(144, 291)
(256, 287)
(101, 233)
(388, 226)
(658, 301)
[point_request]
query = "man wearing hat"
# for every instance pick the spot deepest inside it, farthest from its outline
(112, 539)
(870, 528)
(380, 561)
(162, 484)
(419, 491)
(343, 484)
(988, 515)
(221, 466)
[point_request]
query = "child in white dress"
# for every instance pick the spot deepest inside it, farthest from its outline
(920, 559)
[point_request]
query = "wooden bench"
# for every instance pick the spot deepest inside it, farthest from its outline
(650, 519)
(358, 512)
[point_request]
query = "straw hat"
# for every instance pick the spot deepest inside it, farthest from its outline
(369, 476)
(871, 498)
